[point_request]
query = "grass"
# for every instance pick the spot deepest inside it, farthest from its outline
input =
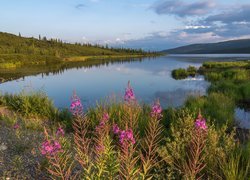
(32, 103)
(216, 106)
(226, 65)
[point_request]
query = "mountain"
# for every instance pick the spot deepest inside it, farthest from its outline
(226, 47)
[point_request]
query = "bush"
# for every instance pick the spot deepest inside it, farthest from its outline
(191, 70)
(184, 73)
(28, 104)
(176, 152)
(179, 73)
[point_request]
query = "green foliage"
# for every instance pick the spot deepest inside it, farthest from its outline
(64, 117)
(216, 106)
(184, 73)
(28, 104)
(179, 73)
(219, 145)
(237, 164)
(191, 70)
(228, 64)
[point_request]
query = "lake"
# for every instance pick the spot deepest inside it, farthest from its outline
(150, 79)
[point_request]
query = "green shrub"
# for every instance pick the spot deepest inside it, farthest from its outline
(191, 70)
(179, 73)
(28, 104)
(219, 145)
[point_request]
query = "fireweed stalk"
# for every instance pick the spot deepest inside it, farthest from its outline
(129, 94)
(132, 109)
(151, 141)
(101, 149)
(101, 132)
(127, 157)
(195, 161)
(60, 159)
(81, 139)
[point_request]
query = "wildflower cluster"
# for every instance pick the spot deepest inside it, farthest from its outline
(103, 122)
(76, 107)
(60, 132)
(129, 94)
(200, 123)
(156, 110)
(50, 147)
(126, 137)
(16, 126)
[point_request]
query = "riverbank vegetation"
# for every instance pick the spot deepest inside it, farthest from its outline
(182, 73)
(232, 79)
(120, 139)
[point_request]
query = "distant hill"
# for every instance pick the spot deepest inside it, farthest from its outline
(17, 50)
(226, 47)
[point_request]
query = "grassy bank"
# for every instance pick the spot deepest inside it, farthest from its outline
(119, 139)
(231, 79)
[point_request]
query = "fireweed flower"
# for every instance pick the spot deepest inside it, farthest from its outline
(105, 117)
(50, 147)
(116, 129)
(60, 132)
(76, 107)
(126, 137)
(156, 110)
(102, 123)
(200, 123)
(16, 126)
(129, 93)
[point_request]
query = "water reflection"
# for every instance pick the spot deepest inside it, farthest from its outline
(242, 117)
(150, 77)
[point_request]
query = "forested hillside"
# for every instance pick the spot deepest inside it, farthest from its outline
(16, 50)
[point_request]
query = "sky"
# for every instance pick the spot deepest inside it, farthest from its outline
(146, 24)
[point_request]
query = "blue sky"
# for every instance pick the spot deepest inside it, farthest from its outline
(147, 24)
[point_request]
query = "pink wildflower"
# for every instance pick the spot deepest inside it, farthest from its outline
(60, 132)
(129, 93)
(200, 123)
(76, 107)
(116, 129)
(156, 110)
(102, 123)
(50, 147)
(16, 126)
(105, 117)
(126, 137)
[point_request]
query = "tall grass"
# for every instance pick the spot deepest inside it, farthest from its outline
(30, 103)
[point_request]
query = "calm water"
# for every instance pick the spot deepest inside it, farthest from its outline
(150, 78)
